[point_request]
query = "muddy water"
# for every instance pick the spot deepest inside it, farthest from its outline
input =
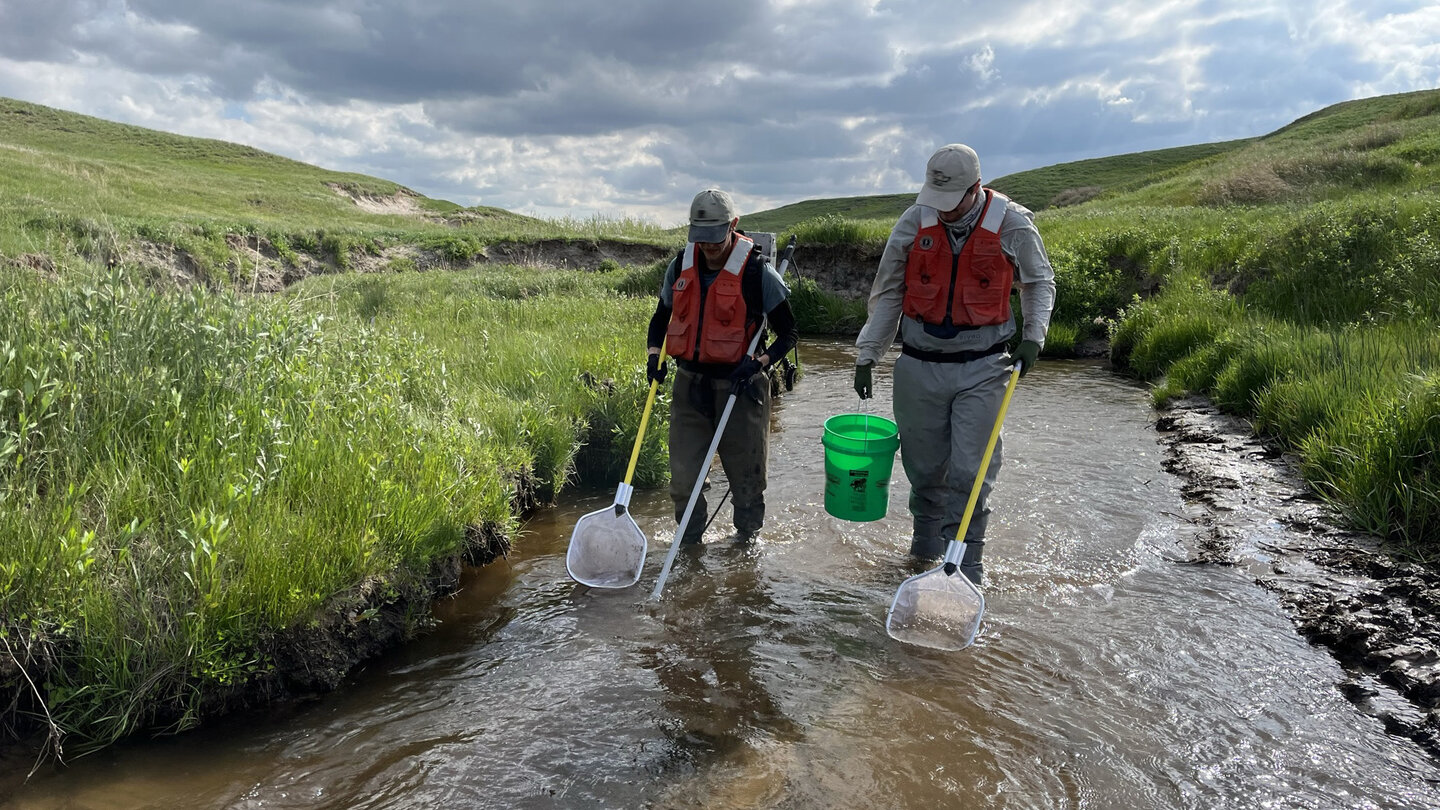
(1108, 673)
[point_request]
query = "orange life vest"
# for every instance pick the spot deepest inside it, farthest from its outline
(972, 289)
(710, 326)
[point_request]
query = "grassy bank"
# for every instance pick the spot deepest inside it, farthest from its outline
(186, 476)
(1325, 335)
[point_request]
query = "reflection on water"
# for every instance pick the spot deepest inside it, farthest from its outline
(708, 664)
(1103, 675)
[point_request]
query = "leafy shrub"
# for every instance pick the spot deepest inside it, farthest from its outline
(458, 248)
(400, 264)
(1346, 263)
(280, 243)
(1422, 151)
(337, 247)
(642, 281)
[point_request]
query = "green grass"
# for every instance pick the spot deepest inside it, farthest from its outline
(1358, 403)
(1084, 180)
(185, 476)
(832, 230)
(884, 207)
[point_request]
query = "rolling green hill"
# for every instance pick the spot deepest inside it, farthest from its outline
(62, 161)
(1036, 189)
(72, 184)
(1317, 151)
(881, 206)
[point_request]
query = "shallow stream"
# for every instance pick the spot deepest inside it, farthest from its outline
(1109, 673)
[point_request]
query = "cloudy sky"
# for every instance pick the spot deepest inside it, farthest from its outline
(626, 108)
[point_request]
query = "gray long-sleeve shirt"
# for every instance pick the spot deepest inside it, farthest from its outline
(1020, 241)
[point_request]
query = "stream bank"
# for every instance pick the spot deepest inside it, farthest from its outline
(1379, 617)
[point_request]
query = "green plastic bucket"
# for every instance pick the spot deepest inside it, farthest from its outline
(859, 455)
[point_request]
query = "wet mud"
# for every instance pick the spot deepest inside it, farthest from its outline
(1378, 616)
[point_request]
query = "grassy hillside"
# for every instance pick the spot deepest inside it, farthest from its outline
(61, 160)
(75, 185)
(881, 206)
(1037, 189)
(1214, 172)
(1073, 183)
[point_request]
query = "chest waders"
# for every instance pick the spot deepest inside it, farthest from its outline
(942, 608)
(714, 445)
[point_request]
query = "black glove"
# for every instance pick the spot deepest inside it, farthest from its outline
(655, 369)
(748, 368)
(864, 387)
(1027, 353)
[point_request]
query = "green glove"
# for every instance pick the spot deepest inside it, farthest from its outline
(863, 385)
(1027, 353)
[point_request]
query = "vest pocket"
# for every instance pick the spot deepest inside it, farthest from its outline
(925, 294)
(985, 291)
(679, 340)
(680, 334)
(724, 338)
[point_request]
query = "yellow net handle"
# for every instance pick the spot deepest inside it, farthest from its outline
(989, 449)
(644, 420)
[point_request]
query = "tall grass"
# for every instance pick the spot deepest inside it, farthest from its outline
(1356, 402)
(551, 357)
(184, 476)
(820, 312)
(833, 229)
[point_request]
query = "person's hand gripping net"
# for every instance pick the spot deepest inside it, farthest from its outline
(655, 369)
(741, 377)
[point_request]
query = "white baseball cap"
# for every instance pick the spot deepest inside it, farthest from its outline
(711, 213)
(952, 170)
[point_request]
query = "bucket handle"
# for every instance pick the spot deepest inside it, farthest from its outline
(864, 409)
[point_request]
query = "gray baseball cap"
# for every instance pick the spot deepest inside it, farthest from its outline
(952, 170)
(710, 215)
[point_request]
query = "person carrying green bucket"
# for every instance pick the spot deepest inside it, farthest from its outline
(944, 283)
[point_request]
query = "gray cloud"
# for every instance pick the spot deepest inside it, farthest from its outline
(559, 107)
(43, 31)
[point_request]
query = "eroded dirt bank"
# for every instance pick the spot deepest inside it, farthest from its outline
(257, 265)
(1379, 617)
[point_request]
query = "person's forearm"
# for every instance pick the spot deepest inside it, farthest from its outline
(887, 293)
(886, 296)
(659, 324)
(1037, 301)
(787, 334)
